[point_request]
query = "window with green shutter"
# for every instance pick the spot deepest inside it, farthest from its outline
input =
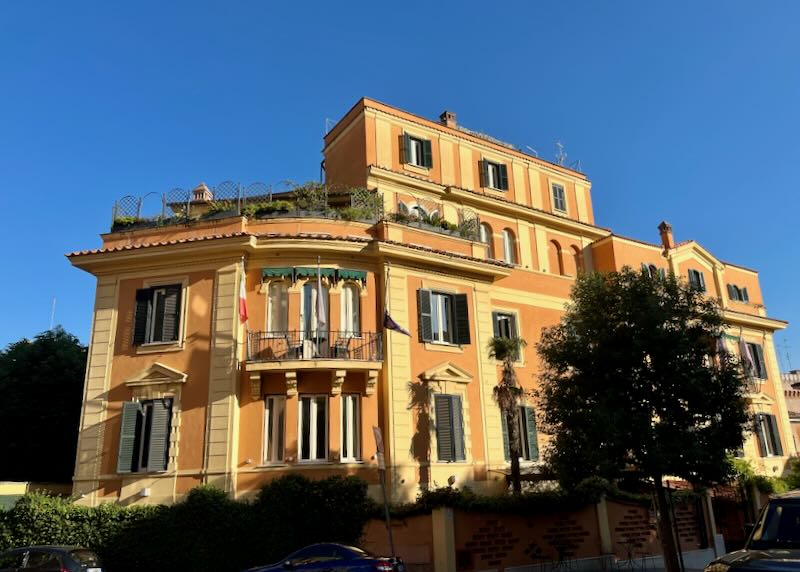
(417, 151)
(697, 280)
(493, 175)
(145, 436)
(157, 316)
(449, 428)
(759, 364)
(527, 432)
(443, 317)
(767, 435)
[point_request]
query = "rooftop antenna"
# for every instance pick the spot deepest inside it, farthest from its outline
(532, 150)
(561, 155)
(329, 124)
(786, 350)
(53, 313)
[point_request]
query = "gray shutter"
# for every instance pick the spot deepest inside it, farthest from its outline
(530, 424)
(731, 292)
(170, 324)
(458, 428)
(406, 148)
(702, 279)
(160, 424)
(427, 154)
(775, 435)
(645, 269)
(762, 446)
(131, 414)
(661, 273)
(745, 296)
(503, 171)
(444, 427)
(495, 325)
(483, 167)
(424, 311)
(761, 365)
(461, 311)
(504, 425)
(512, 320)
(143, 298)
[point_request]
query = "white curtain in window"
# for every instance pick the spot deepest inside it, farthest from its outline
(487, 239)
(508, 247)
(350, 315)
(308, 310)
(278, 309)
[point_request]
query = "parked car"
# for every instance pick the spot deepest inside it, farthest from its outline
(50, 559)
(331, 557)
(774, 542)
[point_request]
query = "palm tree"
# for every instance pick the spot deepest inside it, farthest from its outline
(507, 394)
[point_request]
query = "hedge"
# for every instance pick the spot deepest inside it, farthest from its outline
(207, 531)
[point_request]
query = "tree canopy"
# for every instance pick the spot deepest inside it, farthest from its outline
(41, 384)
(634, 379)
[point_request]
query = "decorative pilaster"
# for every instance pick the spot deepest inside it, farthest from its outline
(291, 383)
(338, 381)
(372, 382)
(255, 385)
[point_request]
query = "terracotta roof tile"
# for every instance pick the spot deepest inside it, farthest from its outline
(158, 243)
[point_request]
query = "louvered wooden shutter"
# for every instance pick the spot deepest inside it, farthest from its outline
(761, 365)
(702, 282)
(172, 312)
(760, 436)
(731, 292)
(143, 298)
(775, 436)
(745, 296)
(159, 435)
(461, 312)
(458, 428)
(645, 269)
(506, 445)
(530, 425)
(427, 154)
(127, 454)
(424, 312)
(406, 148)
(483, 167)
(444, 428)
(512, 326)
(503, 172)
(496, 324)
(661, 273)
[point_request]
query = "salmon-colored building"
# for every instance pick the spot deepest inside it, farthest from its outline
(458, 237)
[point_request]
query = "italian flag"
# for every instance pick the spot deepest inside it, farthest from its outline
(242, 297)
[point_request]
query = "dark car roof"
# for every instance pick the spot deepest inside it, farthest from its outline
(50, 547)
(793, 496)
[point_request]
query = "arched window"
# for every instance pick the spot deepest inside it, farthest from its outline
(314, 324)
(487, 238)
(578, 257)
(555, 258)
(350, 323)
(278, 307)
(509, 246)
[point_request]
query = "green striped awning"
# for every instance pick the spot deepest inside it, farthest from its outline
(307, 272)
(345, 274)
(275, 272)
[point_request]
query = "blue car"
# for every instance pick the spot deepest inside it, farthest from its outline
(330, 557)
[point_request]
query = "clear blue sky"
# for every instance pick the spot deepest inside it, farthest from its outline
(685, 111)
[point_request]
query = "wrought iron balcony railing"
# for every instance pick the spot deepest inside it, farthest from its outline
(297, 345)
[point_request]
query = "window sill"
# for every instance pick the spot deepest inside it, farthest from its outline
(495, 189)
(417, 168)
(442, 347)
(453, 463)
(159, 347)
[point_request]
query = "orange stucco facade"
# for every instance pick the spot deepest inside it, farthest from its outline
(220, 377)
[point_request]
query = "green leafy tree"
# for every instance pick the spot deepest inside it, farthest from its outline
(507, 394)
(41, 384)
(634, 384)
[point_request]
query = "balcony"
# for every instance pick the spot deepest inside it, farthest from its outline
(292, 352)
(320, 345)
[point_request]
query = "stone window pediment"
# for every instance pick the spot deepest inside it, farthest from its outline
(446, 371)
(157, 374)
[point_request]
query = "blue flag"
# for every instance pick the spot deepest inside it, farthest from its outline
(390, 324)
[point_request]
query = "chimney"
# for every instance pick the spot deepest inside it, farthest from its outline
(666, 235)
(201, 193)
(448, 118)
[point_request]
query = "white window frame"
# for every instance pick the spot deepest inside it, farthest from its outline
(284, 302)
(441, 316)
(506, 317)
(162, 283)
(416, 151)
(350, 427)
(312, 285)
(350, 310)
(492, 174)
(312, 427)
(764, 433)
(509, 250)
(487, 237)
(274, 449)
(562, 198)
